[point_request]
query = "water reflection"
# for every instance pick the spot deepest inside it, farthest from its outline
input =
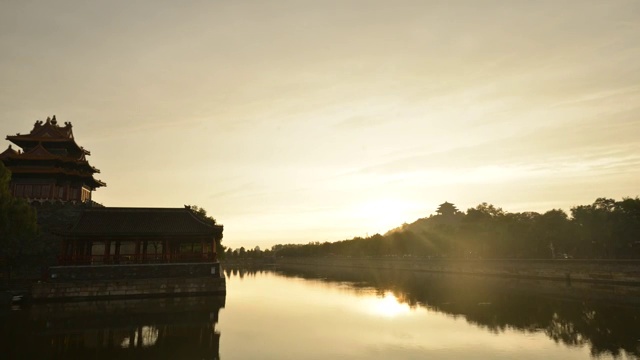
(388, 306)
(183, 328)
(602, 318)
(145, 336)
(309, 313)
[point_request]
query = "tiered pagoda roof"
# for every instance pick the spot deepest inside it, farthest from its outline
(50, 149)
(50, 132)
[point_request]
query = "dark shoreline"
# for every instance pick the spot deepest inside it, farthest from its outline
(605, 272)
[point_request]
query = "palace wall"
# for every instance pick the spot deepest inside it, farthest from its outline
(130, 281)
(132, 271)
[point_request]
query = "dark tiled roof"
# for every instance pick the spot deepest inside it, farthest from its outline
(48, 132)
(8, 153)
(142, 222)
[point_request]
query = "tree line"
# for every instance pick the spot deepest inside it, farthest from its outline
(605, 229)
(242, 253)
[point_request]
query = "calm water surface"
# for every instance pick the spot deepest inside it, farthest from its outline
(339, 314)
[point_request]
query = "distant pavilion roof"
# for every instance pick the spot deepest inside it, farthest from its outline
(141, 222)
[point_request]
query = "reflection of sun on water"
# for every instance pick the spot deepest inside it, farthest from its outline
(387, 306)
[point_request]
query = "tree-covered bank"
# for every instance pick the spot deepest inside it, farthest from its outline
(605, 229)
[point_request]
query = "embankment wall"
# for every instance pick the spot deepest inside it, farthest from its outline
(129, 281)
(620, 272)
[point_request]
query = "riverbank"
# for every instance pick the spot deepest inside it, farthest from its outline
(613, 272)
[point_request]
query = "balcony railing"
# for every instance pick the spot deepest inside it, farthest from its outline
(135, 259)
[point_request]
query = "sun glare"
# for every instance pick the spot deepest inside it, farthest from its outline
(384, 214)
(388, 306)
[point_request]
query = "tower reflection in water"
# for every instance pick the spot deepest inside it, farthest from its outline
(183, 328)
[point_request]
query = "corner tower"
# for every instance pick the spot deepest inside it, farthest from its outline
(50, 165)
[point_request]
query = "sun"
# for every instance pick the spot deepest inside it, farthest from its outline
(384, 214)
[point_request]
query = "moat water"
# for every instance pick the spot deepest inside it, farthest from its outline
(310, 313)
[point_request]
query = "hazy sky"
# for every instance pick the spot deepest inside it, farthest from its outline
(300, 120)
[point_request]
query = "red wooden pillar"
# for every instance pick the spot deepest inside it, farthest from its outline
(213, 249)
(144, 251)
(139, 344)
(86, 252)
(116, 256)
(63, 252)
(107, 251)
(137, 255)
(78, 252)
(74, 251)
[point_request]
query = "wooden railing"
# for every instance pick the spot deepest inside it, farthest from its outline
(134, 259)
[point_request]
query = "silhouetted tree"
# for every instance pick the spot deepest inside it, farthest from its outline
(554, 232)
(202, 214)
(626, 231)
(18, 226)
(595, 226)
